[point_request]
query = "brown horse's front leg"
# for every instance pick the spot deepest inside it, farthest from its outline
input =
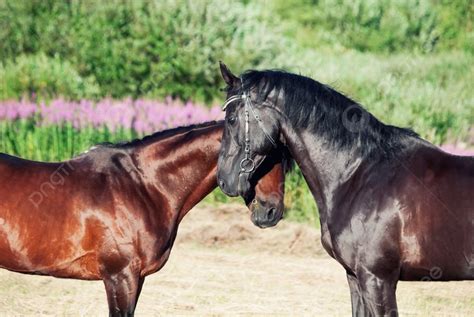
(123, 290)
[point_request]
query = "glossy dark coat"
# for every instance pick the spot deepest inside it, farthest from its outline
(392, 206)
(112, 214)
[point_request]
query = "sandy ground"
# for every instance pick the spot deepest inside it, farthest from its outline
(221, 265)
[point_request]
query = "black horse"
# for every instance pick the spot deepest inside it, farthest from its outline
(392, 206)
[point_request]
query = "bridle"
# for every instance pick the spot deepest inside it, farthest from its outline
(247, 164)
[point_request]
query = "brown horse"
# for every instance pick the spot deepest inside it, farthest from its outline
(112, 213)
(392, 206)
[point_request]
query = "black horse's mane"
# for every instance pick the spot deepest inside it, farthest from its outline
(311, 104)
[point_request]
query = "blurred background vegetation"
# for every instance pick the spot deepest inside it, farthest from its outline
(410, 62)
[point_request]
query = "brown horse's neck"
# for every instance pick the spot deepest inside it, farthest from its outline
(181, 166)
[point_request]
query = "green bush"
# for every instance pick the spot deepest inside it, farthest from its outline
(136, 48)
(299, 201)
(380, 25)
(159, 48)
(456, 24)
(44, 77)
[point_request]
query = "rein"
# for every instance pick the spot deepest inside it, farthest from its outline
(247, 164)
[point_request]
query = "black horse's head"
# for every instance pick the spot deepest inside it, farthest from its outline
(251, 135)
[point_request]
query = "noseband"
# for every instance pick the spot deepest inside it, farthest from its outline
(247, 164)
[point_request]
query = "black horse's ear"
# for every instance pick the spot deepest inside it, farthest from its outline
(230, 79)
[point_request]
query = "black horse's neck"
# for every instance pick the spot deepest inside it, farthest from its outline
(330, 168)
(330, 136)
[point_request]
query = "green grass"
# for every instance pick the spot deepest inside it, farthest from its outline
(53, 143)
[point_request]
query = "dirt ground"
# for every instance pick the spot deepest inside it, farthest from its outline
(221, 265)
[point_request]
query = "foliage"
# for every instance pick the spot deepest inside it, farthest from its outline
(159, 48)
(48, 77)
(299, 200)
(380, 25)
(136, 48)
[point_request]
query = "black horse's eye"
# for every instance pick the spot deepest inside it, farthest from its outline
(231, 120)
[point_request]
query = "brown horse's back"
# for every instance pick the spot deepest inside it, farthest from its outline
(75, 218)
(57, 217)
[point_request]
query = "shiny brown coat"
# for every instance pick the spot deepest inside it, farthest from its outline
(112, 213)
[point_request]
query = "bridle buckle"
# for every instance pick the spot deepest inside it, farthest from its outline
(244, 163)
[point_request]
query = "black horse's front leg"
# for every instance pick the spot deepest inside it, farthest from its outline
(378, 294)
(358, 307)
